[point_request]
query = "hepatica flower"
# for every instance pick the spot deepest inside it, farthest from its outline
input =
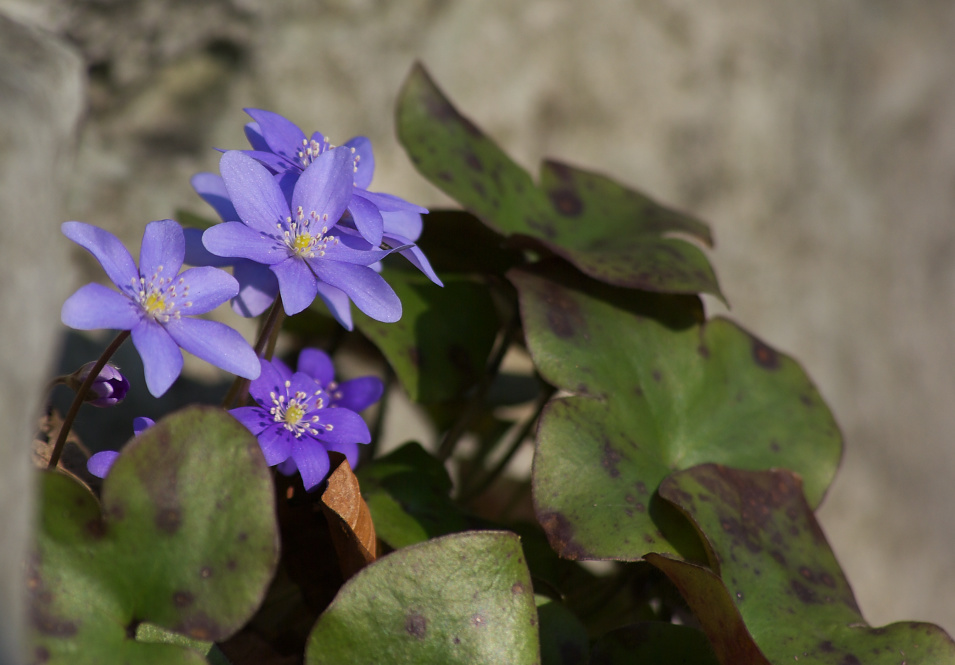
(108, 389)
(280, 145)
(296, 237)
(155, 303)
(300, 416)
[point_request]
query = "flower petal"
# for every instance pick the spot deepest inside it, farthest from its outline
(276, 444)
(217, 344)
(141, 424)
(100, 463)
(108, 250)
(347, 426)
(311, 458)
(211, 188)
(252, 190)
(389, 202)
(367, 219)
(364, 160)
(235, 239)
(403, 223)
(206, 288)
(349, 450)
(317, 365)
(367, 289)
(358, 394)
(258, 288)
(254, 136)
(162, 360)
(163, 249)
(253, 418)
(95, 306)
(281, 134)
(270, 382)
(325, 187)
(198, 255)
(338, 304)
(297, 284)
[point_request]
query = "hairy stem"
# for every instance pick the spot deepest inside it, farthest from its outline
(80, 397)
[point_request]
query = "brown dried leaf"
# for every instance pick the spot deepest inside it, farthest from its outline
(349, 520)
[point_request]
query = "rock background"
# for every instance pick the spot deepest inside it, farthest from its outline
(817, 138)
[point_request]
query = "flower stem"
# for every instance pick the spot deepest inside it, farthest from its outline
(264, 348)
(475, 491)
(80, 398)
(473, 407)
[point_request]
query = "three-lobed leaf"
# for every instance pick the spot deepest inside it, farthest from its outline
(653, 389)
(606, 230)
(774, 591)
(186, 539)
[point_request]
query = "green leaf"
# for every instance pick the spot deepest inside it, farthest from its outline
(186, 540)
(612, 233)
(456, 242)
(654, 390)
(777, 573)
(653, 642)
(408, 493)
(439, 347)
(563, 637)
(464, 598)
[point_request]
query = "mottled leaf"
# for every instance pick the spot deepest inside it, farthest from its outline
(653, 642)
(610, 232)
(440, 346)
(464, 598)
(778, 573)
(349, 520)
(186, 540)
(654, 390)
(408, 494)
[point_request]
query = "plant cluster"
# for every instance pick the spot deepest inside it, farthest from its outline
(681, 451)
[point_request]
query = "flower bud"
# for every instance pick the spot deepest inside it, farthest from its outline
(109, 388)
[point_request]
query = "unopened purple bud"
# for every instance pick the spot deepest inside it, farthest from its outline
(109, 388)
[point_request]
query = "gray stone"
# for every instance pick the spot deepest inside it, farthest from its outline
(41, 96)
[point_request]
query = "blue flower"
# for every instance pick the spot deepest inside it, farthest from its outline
(296, 237)
(300, 416)
(280, 145)
(155, 302)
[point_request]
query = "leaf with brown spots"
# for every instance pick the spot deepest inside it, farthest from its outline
(186, 539)
(349, 520)
(775, 573)
(610, 232)
(460, 599)
(440, 346)
(653, 389)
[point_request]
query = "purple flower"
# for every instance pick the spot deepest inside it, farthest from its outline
(154, 302)
(294, 237)
(300, 416)
(100, 463)
(280, 145)
(108, 389)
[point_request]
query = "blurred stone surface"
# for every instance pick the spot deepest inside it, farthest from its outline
(818, 139)
(41, 97)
